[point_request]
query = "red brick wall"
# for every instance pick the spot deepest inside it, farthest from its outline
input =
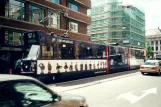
(86, 3)
(63, 23)
(28, 26)
(63, 2)
(82, 28)
(82, 19)
(82, 10)
(71, 13)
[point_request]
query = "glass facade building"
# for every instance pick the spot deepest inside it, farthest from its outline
(116, 23)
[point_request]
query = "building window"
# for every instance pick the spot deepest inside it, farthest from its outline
(152, 43)
(73, 26)
(12, 38)
(55, 1)
(54, 19)
(73, 6)
(156, 48)
(156, 42)
(15, 10)
(152, 48)
(36, 14)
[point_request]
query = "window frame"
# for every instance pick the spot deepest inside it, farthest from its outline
(8, 5)
(31, 14)
(75, 8)
(7, 43)
(55, 1)
(58, 19)
(73, 23)
(11, 83)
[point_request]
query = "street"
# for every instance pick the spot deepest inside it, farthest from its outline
(125, 89)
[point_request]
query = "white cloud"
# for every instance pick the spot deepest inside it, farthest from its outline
(152, 10)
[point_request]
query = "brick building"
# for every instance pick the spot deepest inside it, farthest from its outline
(18, 16)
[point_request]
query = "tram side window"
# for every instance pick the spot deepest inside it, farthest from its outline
(115, 59)
(101, 50)
(112, 50)
(66, 51)
(85, 53)
(100, 53)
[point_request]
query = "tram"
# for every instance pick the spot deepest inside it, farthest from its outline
(55, 58)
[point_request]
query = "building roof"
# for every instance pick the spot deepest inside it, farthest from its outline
(7, 77)
(152, 32)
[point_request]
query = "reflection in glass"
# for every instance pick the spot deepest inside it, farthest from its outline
(54, 19)
(13, 38)
(15, 10)
(36, 14)
(31, 94)
(55, 1)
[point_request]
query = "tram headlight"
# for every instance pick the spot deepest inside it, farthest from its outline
(33, 69)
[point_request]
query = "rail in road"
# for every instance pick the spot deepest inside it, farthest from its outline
(80, 83)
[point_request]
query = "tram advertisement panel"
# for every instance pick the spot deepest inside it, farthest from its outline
(60, 66)
(118, 57)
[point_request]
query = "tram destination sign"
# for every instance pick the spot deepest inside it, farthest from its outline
(62, 40)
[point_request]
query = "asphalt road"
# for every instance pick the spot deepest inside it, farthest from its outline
(125, 89)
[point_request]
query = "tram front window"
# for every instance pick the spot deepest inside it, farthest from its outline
(30, 38)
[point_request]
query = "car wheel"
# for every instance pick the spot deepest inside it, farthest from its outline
(159, 73)
(142, 73)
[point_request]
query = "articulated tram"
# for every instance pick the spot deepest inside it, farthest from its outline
(56, 58)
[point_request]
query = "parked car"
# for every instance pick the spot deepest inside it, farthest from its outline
(22, 91)
(151, 66)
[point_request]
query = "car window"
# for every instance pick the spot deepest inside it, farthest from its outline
(150, 63)
(6, 99)
(31, 94)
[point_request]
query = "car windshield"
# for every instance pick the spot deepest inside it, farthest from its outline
(31, 94)
(150, 63)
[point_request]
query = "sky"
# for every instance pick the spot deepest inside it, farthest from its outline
(152, 9)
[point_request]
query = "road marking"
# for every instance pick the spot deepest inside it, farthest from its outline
(133, 98)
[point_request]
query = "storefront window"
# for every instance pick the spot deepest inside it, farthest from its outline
(36, 14)
(15, 10)
(13, 38)
(54, 19)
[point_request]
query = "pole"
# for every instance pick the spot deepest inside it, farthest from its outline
(10, 70)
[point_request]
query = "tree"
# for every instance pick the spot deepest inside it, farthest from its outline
(148, 50)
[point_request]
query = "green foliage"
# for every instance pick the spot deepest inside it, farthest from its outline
(149, 50)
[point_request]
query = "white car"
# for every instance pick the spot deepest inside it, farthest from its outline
(22, 91)
(151, 66)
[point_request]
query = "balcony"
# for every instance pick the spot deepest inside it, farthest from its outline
(70, 13)
(86, 3)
